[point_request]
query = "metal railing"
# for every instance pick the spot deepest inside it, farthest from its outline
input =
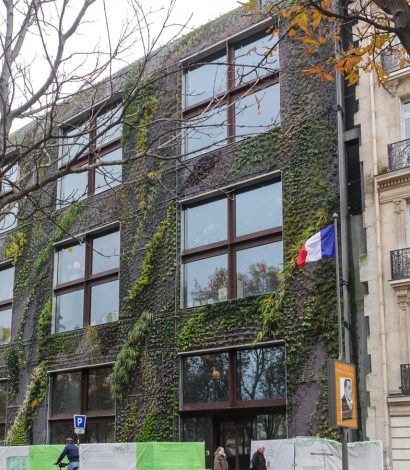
(405, 378)
(399, 154)
(400, 264)
(391, 61)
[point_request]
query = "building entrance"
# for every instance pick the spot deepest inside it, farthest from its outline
(235, 436)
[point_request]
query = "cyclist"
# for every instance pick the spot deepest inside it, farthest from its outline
(71, 452)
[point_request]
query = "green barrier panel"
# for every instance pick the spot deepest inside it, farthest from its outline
(16, 463)
(43, 457)
(170, 456)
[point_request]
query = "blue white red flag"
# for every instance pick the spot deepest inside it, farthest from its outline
(320, 245)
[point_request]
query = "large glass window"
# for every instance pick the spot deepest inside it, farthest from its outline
(86, 282)
(232, 246)
(205, 378)
(6, 303)
(234, 376)
(9, 179)
(82, 392)
(8, 218)
(233, 95)
(93, 141)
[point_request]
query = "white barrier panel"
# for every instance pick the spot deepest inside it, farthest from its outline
(109, 456)
(366, 455)
(279, 453)
(14, 458)
(318, 454)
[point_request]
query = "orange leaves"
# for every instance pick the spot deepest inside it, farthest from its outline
(321, 73)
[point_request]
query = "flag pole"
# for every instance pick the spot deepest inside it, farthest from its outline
(339, 304)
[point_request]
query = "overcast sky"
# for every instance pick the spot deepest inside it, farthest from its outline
(92, 34)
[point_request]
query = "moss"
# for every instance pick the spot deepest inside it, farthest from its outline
(43, 328)
(127, 359)
(15, 244)
(12, 364)
(19, 431)
(128, 429)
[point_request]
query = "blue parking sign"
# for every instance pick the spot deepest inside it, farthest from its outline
(80, 421)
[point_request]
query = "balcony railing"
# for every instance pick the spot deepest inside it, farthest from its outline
(391, 61)
(400, 264)
(399, 154)
(405, 379)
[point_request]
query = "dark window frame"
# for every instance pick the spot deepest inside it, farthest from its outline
(3, 423)
(233, 402)
(7, 304)
(93, 416)
(93, 153)
(89, 280)
(233, 90)
(233, 243)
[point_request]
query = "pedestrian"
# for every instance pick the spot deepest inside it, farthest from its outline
(220, 461)
(258, 461)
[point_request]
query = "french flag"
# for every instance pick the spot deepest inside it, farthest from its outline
(320, 245)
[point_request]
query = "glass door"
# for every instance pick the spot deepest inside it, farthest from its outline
(235, 436)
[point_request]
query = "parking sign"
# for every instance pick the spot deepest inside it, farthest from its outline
(79, 423)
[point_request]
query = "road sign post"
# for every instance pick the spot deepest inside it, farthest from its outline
(80, 422)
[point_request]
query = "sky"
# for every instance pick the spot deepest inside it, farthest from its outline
(92, 34)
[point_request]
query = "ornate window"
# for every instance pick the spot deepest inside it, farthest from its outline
(88, 143)
(82, 392)
(6, 303)
(232, 94)
(86, 285)
(232, 246)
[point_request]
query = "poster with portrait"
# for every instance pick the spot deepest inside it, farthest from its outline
(342, 394)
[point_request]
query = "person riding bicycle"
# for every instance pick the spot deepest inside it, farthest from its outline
(71, 452)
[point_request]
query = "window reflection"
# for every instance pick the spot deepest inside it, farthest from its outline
(109, 176)
(257, 112)
(206, 132)
(205, 378)
(72, 187)
(206, 281)
(104, 121)
(261, 374)
(8, 218)
(104, 303)
(6, 283)
(70, 263)
(69, 311)
(5, 325)
(74, 144)
(59, 431)
(255, 59)
(100, 432)
(99, 397)
(106, 252)
(206, 223)
(259, 209)
(257, 269)
(66, 393)
(10, 178)
(271, 426)
(199, 430)
(205, 81)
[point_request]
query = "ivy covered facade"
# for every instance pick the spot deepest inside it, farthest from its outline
(216, 335)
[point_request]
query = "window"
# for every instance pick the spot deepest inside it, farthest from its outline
(234, 378)
(89, 143)
(232, 246)
(232, 94)
(3, 405)
(86, 285)
(8, 215)
(406, 120)
(82, 392)
(6, 303)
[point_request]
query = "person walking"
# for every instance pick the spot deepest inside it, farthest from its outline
(220, 460)
(258, 461)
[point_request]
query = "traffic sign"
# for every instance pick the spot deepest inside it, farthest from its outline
(79, 423)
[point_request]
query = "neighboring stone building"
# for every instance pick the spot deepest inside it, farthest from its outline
(165, 279)
(383, 116)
